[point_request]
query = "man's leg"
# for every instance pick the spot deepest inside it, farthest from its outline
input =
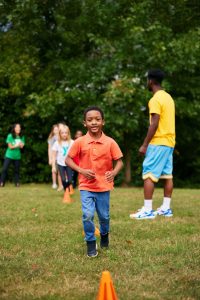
(168, 187)
(88, 210)
(148, 188)
(148, 194)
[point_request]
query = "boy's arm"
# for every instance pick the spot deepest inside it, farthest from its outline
(89, 174)
(150, 133)
(110, 175)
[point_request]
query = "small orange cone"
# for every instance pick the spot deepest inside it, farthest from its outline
(71, 190)
(97, 232)
(106, 288)
(66, 198)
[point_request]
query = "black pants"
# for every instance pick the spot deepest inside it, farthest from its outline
(66, 175)
(6, 164)
(74, 178)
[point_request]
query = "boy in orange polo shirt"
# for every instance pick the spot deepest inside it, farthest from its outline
(96, 153)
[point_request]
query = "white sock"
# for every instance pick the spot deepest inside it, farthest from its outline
(148, 204)
(166, 203)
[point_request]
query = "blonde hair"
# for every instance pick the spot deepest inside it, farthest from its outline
(51, 134)
(59, 134)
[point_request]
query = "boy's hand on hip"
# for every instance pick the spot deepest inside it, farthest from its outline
(110, 176)
(89, 174)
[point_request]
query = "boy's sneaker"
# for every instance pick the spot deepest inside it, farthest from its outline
(161, 212)
(54, 186)
(91, 249)
(104, 242)
(143, 214)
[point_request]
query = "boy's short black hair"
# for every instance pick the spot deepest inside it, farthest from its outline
(93, 108)
(156, 75)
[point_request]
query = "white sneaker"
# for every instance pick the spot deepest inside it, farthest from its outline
(143, 214)
(163, 212)
(132, 216)
(54, 186)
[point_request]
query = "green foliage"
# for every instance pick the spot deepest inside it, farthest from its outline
(58, 57)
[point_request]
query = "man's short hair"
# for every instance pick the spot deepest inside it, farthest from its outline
(93, 108)
(156, 75)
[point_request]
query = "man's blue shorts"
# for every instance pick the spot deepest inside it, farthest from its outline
(158, 163)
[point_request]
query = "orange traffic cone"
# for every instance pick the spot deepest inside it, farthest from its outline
(71, 190)
(106, 288)
(66, 198)
(97, 232)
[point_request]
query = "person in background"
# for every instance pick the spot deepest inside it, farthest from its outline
(158, 147)
(60, 150)
(78, 134)
(15, 141)
(97, 153)
(53, 136)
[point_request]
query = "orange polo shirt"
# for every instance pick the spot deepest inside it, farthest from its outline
(97, 156)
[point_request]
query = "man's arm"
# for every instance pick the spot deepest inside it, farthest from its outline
(150, 133)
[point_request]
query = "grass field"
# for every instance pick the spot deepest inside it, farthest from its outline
(43, 252)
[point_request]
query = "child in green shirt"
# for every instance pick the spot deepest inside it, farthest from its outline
(15, 142)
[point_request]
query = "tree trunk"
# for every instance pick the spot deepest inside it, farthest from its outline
(127, 161)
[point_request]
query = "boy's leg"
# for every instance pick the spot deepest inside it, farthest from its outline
(4, 170)
(16, 171)
(88, 210)
(103, 208)
(103, 211)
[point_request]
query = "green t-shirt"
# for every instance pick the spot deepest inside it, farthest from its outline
(14, 153)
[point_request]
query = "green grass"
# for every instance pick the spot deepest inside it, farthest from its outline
(43, 252)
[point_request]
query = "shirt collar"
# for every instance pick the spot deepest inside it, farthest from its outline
(90, 139)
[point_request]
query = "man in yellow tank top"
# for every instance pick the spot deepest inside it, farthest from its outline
(158, 148)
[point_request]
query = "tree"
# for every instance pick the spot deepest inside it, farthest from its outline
(57, 57)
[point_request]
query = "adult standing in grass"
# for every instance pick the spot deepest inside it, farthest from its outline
(96, 153)
(15, 141)
(158, 147)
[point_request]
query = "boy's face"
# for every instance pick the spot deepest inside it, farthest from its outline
(93, 121)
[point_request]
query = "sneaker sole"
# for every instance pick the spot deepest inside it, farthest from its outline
(145, 218)
(167, 216)
(163, 215)
(92, 256)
